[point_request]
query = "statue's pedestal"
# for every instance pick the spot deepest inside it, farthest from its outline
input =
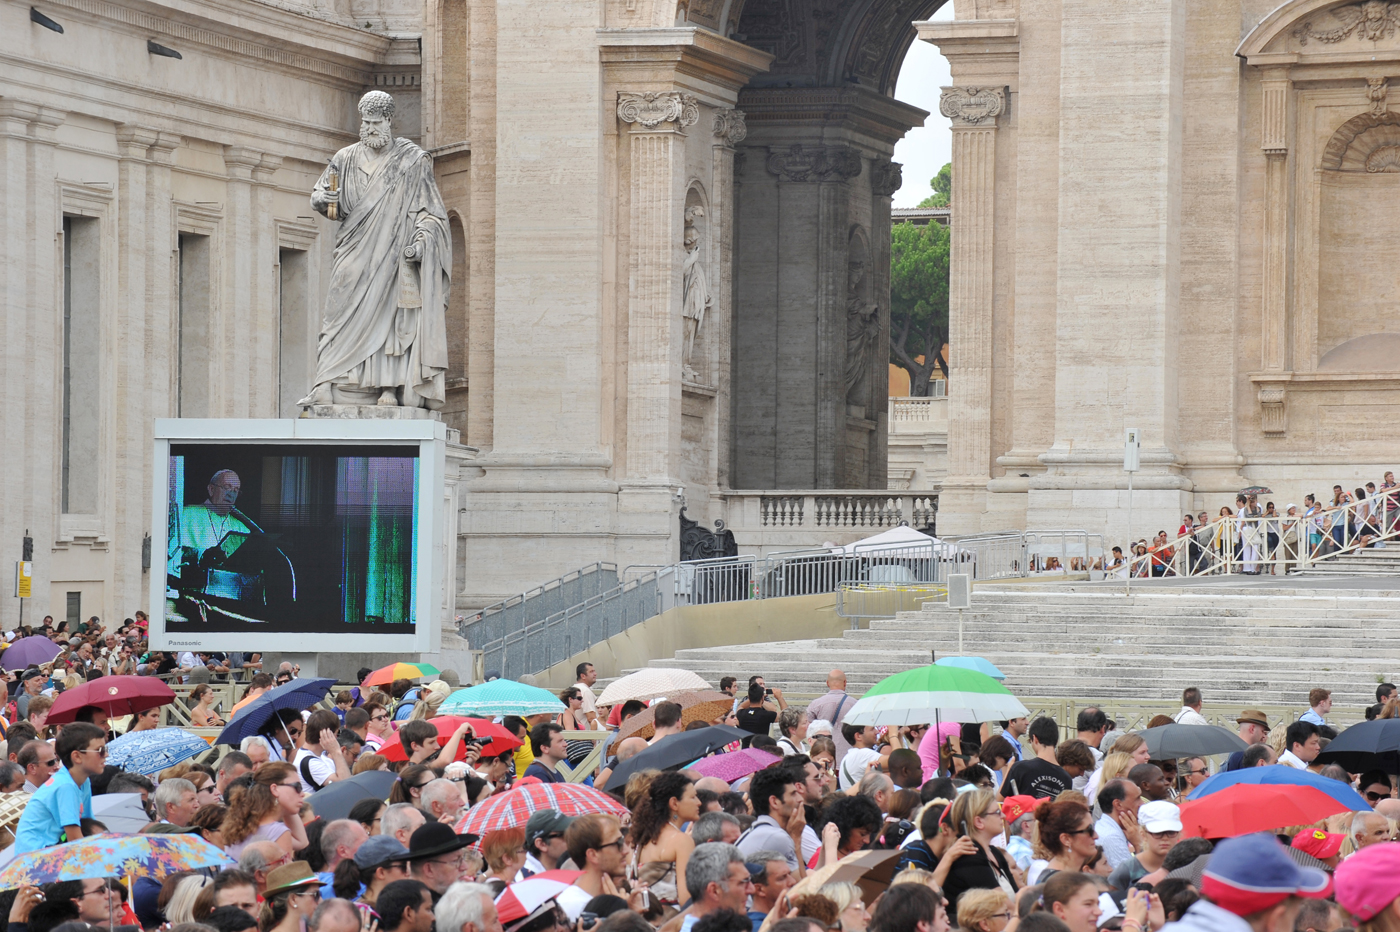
(377, 413)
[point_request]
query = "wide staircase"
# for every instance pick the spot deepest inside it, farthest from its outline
(1264, 643)
(1371, 562)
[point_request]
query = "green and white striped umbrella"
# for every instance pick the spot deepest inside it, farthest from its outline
(934, 693)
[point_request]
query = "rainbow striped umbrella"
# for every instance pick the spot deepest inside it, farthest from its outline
(384, 676)
(935, 694)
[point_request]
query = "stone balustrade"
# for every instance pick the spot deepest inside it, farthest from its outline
(918, 442)
(767, 521)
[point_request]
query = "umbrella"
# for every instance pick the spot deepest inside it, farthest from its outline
(400, 671)
(872, 871)
(980, 664)
(1366, 746)
(336, 800)
(1195, 871)
(501, 738)
(148, 752)
(501, 697)
(299, 694)
(1283, 775)
(122, 813)
(1246, 808)
(934, 693)
(1257, 490)
(696, 706)
(735, 765)
(115, 695)
(111, 855)
(513, 808)
(650, 683)
(1168, 741)
(29, 652)
(522, 898)
(675, 751)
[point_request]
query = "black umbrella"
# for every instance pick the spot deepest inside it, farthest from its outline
(299, 694)
(675, 751)
(1167, 741)
(1373, 745)
(336, 800)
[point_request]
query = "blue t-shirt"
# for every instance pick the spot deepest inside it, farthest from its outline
(544, 774)
(57, 803)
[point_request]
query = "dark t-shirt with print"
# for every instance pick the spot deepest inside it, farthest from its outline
(756, 721)
(1038, 778)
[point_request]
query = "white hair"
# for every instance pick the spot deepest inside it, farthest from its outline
(252, 740)
(396, 817)
(180, 909)
(439, 791)
(462, 903)
(170, 792)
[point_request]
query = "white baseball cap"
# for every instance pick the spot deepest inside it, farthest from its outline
(1159, 816)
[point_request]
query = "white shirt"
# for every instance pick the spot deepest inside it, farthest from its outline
(320, 765)
(853, 766)
(590, 702)
(1112, 839)
(1189, 716)
(1292, 760)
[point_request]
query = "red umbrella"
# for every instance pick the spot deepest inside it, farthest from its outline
(501, 739)
(513, 808)
(1246, 808)
(115, 695)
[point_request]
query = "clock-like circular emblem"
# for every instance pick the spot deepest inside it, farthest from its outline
(111, 690)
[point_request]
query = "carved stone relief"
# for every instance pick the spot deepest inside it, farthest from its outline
(1351, 147)
(885, 178)
(1273, 413)
(1371, 21)
(1376, 90)
(695, 287)
(815, 163)
(651, 109)
(729, 126)
(972, 106)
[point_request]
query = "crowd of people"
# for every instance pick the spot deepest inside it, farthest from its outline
(988, 827)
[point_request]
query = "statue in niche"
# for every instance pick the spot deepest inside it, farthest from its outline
(384, 331)
(695, 289)
(862, 326)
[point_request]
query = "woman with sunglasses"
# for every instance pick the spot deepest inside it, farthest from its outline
(1067, 832)
(269, 810)
(292, 895)
(409, 786)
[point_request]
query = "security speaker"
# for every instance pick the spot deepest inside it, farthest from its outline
(959, 590)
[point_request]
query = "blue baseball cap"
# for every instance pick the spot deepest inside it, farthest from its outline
(1253, 872)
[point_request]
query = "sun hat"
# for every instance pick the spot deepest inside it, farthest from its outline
(1253, 717)
(1319, 844)
(1254, 872)
(1159, 816)
(289, 877)
(1369, 880)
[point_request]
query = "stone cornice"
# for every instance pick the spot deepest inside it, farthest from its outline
(695, 52)
(858, 108)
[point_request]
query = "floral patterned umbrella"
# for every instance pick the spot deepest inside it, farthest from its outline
(152, 751)
(513, 808)
(110, 855)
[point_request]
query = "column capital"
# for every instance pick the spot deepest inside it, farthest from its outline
(15, 115)
(162, 151)
(729, 127)
(972, 107)
(267, 166)
(239, 162)
(133, 140)
(649, 110)
(46, 123)
(814, 163)
(886, 177)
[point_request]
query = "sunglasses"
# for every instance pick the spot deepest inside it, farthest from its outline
(1372, 796)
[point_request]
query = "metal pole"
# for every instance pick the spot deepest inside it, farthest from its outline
(1128, 590)
(960, 634)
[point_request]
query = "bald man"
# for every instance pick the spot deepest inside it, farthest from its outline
(627, 749)
(832, 708)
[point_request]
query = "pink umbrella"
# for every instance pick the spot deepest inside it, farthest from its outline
(735, 765)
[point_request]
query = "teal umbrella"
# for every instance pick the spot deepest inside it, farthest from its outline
(501, 697)
(980, 664)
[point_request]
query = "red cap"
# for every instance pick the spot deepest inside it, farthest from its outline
(1013, 807)
(1321, 845)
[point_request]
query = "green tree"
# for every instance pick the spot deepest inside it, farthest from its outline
(942, 184)
(919, 300)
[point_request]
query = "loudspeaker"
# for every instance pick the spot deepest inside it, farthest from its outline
(960, 590)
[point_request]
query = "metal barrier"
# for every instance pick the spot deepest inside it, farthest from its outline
(1072, 551)
(511, 614)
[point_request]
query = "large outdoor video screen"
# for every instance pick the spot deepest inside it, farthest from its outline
(292, 539)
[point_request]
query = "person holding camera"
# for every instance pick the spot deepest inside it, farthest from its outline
(758, 713)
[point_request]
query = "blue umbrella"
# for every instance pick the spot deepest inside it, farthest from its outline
(1282, 774)
(299, 694)
(501, 697)
(29, 652)
(148, 752)
(973, 663)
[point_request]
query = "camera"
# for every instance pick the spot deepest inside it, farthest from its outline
(587, 920)
(768, 692)
(474, 741)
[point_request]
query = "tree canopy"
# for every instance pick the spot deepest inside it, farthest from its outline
(919, 300)
(942, 184)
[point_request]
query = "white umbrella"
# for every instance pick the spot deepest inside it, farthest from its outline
(120, 812)
(651, 683)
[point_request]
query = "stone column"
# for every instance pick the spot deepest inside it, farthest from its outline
(266, 319)
(886, 177)
(973, 112)
(729, 130)
(657, 123)
(1277, 89)
(232, 393)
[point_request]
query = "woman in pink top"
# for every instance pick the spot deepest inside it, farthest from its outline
(934, 739)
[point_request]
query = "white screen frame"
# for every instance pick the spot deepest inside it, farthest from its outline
(428, 585)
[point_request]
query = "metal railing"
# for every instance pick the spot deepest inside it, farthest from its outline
(511, 614)
(1275, 544)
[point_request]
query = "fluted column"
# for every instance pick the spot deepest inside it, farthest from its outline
(886, 177)
(973, 112)
(232, 394)
(265, 316)
(729, 130)
(657, 121)
(1277, 89)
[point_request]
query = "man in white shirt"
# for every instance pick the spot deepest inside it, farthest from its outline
(587, 676)
(320, 760)
(1190, 713)
(1301, 744)
(1119, 800)
(862, 755)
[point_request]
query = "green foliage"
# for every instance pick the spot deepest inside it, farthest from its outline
(918, 299)
(942, 184)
